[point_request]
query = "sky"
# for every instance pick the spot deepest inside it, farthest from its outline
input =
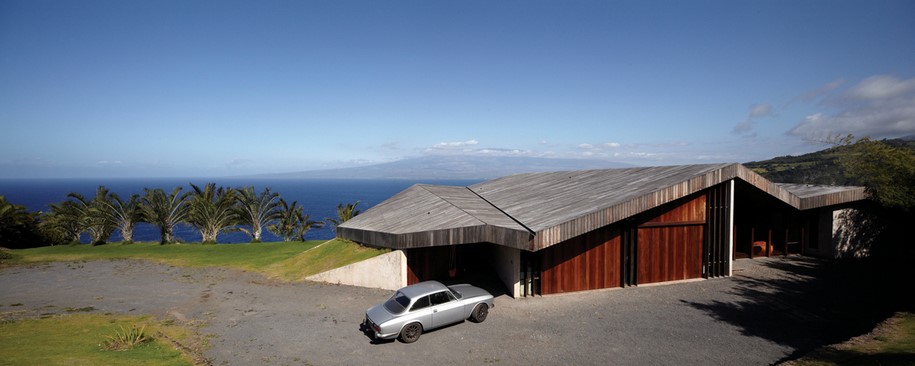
(204, 88)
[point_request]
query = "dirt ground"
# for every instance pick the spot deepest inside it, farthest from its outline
(762, 315)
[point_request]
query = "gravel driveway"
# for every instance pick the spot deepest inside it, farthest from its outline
(758, 316)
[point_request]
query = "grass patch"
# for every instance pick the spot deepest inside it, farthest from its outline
(292, 261)
(249, 257)
(890, 343)
(329, 255)
(79, 340)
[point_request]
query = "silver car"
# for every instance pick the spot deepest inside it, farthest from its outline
(425, 306)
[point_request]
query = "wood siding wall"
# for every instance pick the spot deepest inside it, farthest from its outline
(670, 253)
(718, 230)
(616, 213)
(588, 262)
(428, 263)
(670, 244)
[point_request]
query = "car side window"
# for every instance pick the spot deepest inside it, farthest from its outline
(421, 303)
(441, 297)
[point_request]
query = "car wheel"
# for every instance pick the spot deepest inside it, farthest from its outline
(411, 332)
(479, 313)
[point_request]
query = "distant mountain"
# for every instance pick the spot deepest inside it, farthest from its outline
(452, 167)
(819, 167)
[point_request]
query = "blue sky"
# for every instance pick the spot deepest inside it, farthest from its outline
(216, 88)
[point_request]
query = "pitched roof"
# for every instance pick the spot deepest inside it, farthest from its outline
(533, 211)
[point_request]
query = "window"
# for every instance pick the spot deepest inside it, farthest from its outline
(421, 303)
(397, 303)
(441, 297)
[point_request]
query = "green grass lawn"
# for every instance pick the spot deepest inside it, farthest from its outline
(290, 261)
(891, 344)
(77, 340)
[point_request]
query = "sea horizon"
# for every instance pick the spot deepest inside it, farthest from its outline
(318, 196)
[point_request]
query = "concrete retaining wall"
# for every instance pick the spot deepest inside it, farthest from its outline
(387, 271)
(507, 262)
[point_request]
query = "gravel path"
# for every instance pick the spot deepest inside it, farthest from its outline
(254, 320)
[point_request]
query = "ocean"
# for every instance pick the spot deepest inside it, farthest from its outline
(319, 197)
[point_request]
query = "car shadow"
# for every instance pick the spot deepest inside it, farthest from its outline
(369, 333)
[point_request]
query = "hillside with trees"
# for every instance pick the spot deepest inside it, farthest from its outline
(885, 167)
(820, 167)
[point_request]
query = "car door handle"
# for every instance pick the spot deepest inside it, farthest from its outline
(435, 311)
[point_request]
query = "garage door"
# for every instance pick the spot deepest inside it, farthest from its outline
(669, 253)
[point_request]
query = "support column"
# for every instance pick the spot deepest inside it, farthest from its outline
(731, 242)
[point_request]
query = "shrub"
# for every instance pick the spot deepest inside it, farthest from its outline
(126, 338)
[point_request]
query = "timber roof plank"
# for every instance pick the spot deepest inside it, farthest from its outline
(536, 210)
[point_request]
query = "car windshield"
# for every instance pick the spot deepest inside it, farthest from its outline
(456, 293)
(397, 303)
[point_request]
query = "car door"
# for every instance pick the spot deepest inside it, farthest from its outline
(420, 311)
(445, 309)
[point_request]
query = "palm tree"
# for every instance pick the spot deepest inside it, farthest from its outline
(292, 223)
(16, 225)
(306, 224)
(125, 215)
(256, 211)
(211, 210)
(344, 213)
(94, 214)
(165, 211)
(63, 223)
(288, 218)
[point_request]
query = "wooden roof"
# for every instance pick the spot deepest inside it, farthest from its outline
(814, 196)
(533, 211)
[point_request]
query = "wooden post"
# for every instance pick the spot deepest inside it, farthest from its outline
(734, 242)
(803, 240)
(786, 241)
(752, 238)
(769, 244)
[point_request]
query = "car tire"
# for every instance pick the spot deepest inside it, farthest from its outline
(479, 313)
(411, 332)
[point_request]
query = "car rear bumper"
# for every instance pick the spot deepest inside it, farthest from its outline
(374, 329)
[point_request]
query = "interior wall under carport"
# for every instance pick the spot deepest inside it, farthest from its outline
(765, 226)
(493, 267)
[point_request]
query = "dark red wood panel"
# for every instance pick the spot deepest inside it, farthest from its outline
(586, 262)
(669, 253)
(691, 211)
(428, 263)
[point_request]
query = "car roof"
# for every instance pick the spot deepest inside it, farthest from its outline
(422, 289)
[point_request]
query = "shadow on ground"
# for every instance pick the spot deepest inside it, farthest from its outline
(806, 303)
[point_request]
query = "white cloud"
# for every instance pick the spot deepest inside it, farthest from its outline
(878, 107)
(612, 145)
(760, 110)
(822, 90)
(468, 148)
(757, 111)
(455, 144)
(881, 87)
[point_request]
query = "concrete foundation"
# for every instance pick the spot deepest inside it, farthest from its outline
(387, 271)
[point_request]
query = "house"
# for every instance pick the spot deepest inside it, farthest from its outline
(547, 233)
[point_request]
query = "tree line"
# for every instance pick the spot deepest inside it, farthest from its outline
(211, 210)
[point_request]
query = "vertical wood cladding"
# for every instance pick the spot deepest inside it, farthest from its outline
(586, 262)
(670, 244)
(669, 253)
(718, 229)
(428, 263)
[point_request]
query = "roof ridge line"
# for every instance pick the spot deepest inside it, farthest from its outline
(423, 186)
(532, 232)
